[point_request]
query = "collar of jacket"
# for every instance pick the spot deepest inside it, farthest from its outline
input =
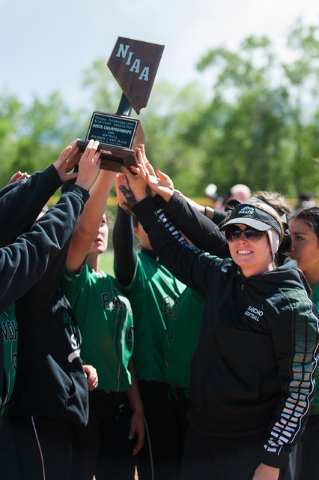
(286, 275)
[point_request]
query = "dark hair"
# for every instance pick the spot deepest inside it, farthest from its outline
(310, 216)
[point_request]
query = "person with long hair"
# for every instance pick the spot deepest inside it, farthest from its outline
(304, 231)
(252, 374)
(106, 446)
(27, 253)
(167, 321)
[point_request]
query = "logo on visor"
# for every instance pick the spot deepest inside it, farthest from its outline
(246, 211)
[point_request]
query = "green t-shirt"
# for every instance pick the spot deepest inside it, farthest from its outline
(106, 323)
(182, 334)
(9, 328)
(315, 405)
(166, 331)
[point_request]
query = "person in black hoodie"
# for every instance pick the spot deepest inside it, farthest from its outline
(252, 374)
(24, 262)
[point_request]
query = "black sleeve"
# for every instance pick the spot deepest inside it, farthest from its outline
(200, 230)
(21, 202)
(186, 263)
(123, 244)
(24, 262)
(33, 304)
(219, 216)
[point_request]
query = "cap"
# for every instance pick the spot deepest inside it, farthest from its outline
(254, 217)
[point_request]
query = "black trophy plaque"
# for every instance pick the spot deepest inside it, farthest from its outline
(134, 65)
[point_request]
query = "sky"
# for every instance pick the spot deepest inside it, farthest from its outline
(47, 45)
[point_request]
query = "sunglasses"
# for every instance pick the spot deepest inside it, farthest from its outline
(233, 233)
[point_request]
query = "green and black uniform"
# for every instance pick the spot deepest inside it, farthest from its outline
(105, 319)
(266, 322)
(161, 305)
(24, 262)
(9, 328)
(310, 437)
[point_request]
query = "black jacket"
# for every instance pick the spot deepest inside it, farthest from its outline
(50, 380)
(20, 203)
(23, 262)
(252, 373)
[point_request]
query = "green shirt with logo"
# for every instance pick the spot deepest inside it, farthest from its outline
(167, 321)
(105, 319)
(315, 405)
(9, 328)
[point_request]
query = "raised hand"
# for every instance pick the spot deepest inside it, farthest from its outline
(124, 194)
(136, 184)
(89, 165)
(17, 177)
(66, 161)
(158, 182)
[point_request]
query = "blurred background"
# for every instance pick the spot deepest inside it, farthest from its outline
(235, 99)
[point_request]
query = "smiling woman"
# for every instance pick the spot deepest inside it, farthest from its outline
(253, 248)
(249, 399)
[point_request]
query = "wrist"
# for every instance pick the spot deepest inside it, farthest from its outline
(83, 184)
(57, 166)
(209, 213)
(140, 196)
(138, 411)
(167, 195)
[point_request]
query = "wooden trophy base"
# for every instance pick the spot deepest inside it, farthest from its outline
(112, 158)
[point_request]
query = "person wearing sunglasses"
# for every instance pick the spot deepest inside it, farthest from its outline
(252, 374)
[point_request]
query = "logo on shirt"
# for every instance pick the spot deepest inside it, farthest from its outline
(112, 302)
(76, 348)
(254, 313)
(9, 331)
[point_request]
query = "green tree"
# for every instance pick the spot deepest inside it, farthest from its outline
(255, 130)
(302, 75)
(33, 136)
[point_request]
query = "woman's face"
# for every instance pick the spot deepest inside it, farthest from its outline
(254, 257)
(99, 244)
(305, 245)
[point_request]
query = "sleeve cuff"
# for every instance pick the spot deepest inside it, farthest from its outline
(144, 207)
(274, 460)
(51, 176)
(80, 192)
(159, 201)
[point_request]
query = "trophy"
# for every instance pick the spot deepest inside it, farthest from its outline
(134, 65)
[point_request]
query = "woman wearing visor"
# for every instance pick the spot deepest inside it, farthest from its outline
(252, 374)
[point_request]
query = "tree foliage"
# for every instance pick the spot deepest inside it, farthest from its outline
(268, 108)
(257, 125)
(33, 136)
